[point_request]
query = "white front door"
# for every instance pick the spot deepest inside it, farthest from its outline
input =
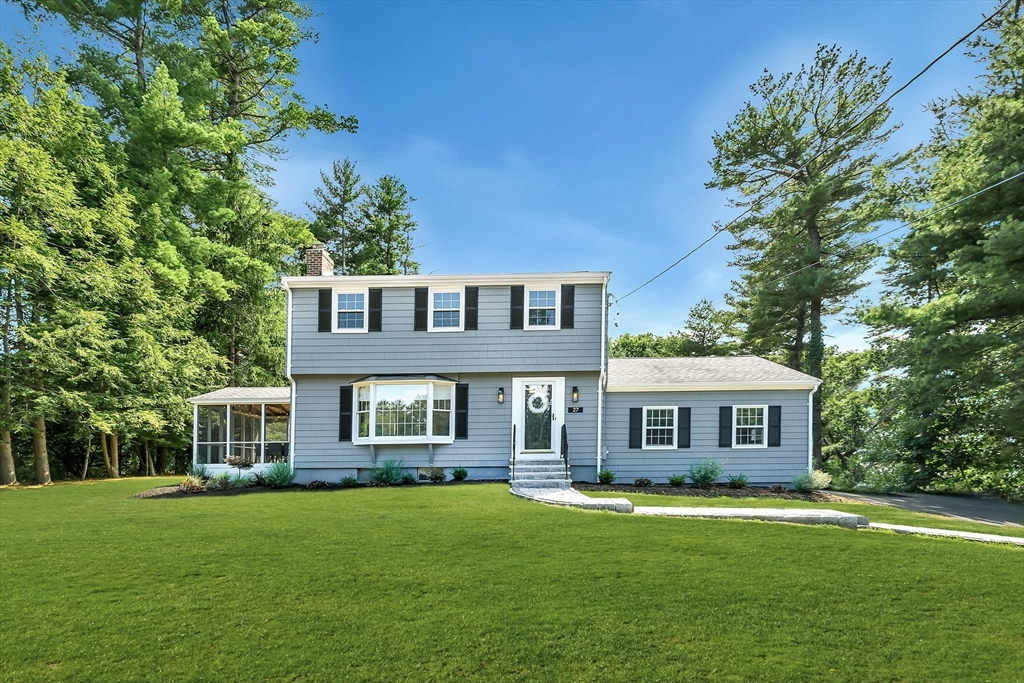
(538, 407)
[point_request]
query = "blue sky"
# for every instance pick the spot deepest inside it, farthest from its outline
(576, 136)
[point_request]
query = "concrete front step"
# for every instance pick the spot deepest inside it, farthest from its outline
(540, 483)
(545, 474)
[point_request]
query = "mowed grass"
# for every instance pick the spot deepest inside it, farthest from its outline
(874, 513)
(470, 583)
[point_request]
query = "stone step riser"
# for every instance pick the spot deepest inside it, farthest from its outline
(527, 484)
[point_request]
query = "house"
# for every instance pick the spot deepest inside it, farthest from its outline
(504, 375)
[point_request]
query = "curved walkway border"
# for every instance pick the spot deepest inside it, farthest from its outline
(573, 498)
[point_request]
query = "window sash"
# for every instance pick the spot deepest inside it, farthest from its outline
(351, 310)
(426, 420)
(542, 308)
(446, 310)
(749, 426)
(660, 427)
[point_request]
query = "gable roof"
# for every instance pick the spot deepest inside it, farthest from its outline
(707, 372)
(245, 395)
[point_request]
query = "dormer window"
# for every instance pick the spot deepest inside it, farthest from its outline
(542, 308)
(446, 310)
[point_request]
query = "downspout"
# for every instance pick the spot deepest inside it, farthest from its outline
(810, 429)
(288, 374)
(602, 376)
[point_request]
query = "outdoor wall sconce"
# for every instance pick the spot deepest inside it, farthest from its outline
(501, 394)
(575, 394)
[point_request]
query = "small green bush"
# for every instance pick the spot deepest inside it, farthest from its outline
(436, 475)
(814, 481)
(258, 479)
(241, 481)
(738, 481)
(642, 482)
(191, 484)
(407, 478)
(606, 477)
(220, 481)
(388, 473)
(198, 471)
(316, 485)
(349, 482)
(705, 473)
(677, 480)
(279, 475)
(459, 473)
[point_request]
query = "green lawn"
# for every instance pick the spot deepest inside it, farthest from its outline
(470, 583)
(875, 513)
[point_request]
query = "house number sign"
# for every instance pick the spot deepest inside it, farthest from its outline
(575, 409)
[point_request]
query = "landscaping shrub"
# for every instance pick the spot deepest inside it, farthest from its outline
(349, 482)
(606, 477)
(814, 481)
(220, 481)
(459, 473)
(191, 484)
(407, 478)
(198, 471)
(258, 479)
(279, 475)
(677, 480)
(387, 473)
(241, 481)
(738, 481)
(436, 475)
(316, 485)
(643, 482)
(705, 473)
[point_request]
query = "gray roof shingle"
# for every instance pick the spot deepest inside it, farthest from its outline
(251, 394)
(700, 371)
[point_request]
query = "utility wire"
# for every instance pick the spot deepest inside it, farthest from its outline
(825, 149)
(899, 227)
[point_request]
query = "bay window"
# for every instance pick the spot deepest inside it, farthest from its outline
(404, 412)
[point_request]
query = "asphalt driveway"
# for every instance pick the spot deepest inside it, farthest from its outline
(976, 509)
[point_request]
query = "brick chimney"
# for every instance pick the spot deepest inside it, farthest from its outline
(318, 261)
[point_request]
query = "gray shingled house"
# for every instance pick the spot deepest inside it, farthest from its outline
(507, 376)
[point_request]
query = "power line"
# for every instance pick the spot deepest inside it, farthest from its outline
(803, 166)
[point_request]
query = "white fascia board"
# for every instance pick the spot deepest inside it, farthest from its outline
(578, 278)
(275, 400)
(710, 386)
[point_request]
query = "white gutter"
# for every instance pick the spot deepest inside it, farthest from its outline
(602, 377)
(710, 386)
(288, 374)
(810, 429)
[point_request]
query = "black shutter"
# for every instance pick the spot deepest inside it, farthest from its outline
(324, 309)
(725, 427)
(345, 414)
(472, 303)
(420, 316)
(376, 298)
(636, 427)
(516, 315)
(774, 425)
(461, 411)
(683, 430)
(568, 306)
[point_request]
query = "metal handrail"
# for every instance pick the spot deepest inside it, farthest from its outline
(565, 449)
(512, 453)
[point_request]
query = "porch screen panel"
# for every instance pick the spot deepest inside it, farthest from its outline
(212, 436)
(275, 432)
(245, 431)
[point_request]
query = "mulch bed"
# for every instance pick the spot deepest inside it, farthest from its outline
(174, 492)
(712, 492)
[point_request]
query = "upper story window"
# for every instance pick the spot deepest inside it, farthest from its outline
(446, 310)
(350, 311)
(404, 412)
(542, 308)
(659, 427)
(748, 429)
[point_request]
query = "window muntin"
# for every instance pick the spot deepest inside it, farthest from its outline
(748, 426)
(404, 412)
(660, 427)
(350, 314)
(542, 308)
(446, 310)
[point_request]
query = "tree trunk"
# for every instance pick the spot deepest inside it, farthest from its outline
(816, 344)
(161, 459)
(88, 452)
(149, 460)
(39, 450)
(8, 477)
(115, 454)
(107, 461)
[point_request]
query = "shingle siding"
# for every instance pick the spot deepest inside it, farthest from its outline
(492, 348)
(763, 465)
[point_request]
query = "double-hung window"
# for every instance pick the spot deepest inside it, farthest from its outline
(542, 308)
(350, 310)
(748, 426)
(404, 412)
(446, 310)
(660, 427)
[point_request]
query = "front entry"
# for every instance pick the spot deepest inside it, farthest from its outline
(538, 407)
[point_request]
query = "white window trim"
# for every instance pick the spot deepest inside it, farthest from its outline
(429, 438)
(558, 307)
(461, 291)
(675, 429)
(334, 310)
(764, 441)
